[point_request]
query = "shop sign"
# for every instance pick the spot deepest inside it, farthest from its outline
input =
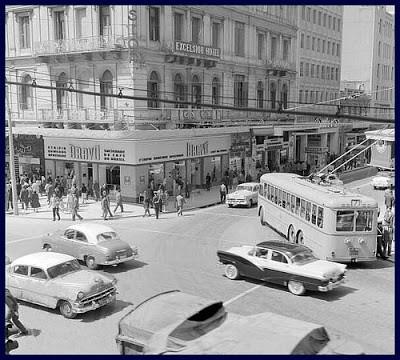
(196, 49)
(193, 150)
(197, 115)
(85, 153)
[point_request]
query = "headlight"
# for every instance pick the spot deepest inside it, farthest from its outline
(80, 295)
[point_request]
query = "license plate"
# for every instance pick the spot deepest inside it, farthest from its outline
(353, 251)
(103, 301)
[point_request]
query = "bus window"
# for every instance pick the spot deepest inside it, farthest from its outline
(261, 190)
(284, 199)
(272, 193)
(345, 220)
(314, 214)
(364, 220)
(297, 205)
(303, 208)
(320, 218)
(269, 192)
(276, 195)
(280, 197)
(293, 203)
(308, 210)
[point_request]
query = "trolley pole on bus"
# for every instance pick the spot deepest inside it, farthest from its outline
(11, 161)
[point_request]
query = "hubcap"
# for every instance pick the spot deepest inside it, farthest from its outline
(230, 271)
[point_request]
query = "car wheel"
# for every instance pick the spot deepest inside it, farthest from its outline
(291, 234)
(250, 203)
(231, 272)
(300, 238)
(374, 187)
(66, 310)
(91, 263)
(296, 287)
(47, 247)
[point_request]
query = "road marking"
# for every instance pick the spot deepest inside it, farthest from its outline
(230, 301)
(23, 239)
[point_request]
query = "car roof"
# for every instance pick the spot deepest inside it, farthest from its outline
(249, 184)
(287, 248)
(91, 228)
(42, 259)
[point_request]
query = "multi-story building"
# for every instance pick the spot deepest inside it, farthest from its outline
(241, 56)
(319, 43)
(368, 54)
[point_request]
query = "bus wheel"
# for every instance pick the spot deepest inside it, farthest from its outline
(296, 287)
(300, 237)
(291, 235)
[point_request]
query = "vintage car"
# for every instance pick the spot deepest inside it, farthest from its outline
(292, 265)
(245, 194)
(383, 180)
(57, 280)
(95, 244)
(173, 322)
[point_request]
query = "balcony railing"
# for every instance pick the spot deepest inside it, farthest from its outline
(282, 65)
(92, 43)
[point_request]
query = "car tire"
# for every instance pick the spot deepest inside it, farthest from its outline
(47, 247)
(296, 287)
(231, 272)
(250, 203)
(91, 263)
(300, 238)
(66, 309)
(291, 235)
(230, 205)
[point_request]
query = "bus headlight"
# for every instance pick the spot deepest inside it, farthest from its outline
(361, 241)
(347, 241)
(333, 254)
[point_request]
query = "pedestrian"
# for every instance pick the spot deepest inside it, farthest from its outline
(118, 199)
(24, 196)
(380, 247)
(12, 305)
(84, 193)
(187, 190)
(389, 197)
(156, 203)
(146, 201)
(180, 200)
(96, 189)
(69, 201)
(222, 192)
(36, 186)
(388, 230)
(75, 207)
(35, 201)
(105, 204)
(49, 189)
(55, 206)
(208, 181)
(102, 189)
(9, 196)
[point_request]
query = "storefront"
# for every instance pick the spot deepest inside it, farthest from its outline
(276, 152)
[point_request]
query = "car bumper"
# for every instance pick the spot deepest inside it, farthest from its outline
(79, 309)
(236, 202)
(331, 285)
(119, 260)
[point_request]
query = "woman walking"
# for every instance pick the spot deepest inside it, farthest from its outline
(84, 193)
(24, 196)
(35, 201)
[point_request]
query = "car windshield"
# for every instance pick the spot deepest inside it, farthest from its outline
(106, 236)
(244, 187)
(63, 268)
(303, 258)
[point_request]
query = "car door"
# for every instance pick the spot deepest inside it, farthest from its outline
(82, 246)
(258, 258)
(66, 243)
(37, 286)
(17, 281)
(279, 268)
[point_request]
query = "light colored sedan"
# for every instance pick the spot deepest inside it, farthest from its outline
(95, 244)
(245, 194)
(57, 281)
(383, 180)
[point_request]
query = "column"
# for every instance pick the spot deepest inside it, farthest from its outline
(96, 173)
(280, 47)
(303, 145)
(78, 173)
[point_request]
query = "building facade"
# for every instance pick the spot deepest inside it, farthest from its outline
(369, 32)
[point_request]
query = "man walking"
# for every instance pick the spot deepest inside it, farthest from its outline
(118, 198)
(55, 205)
(388, 197)
(156, 203)
(388, 230)
(75, 207)
(222, 192)
(180, 200)
(12, 305)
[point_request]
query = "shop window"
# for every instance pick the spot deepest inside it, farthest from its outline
(113, 175)
(153, 91)
(215, 91)
(196, 92)
(25, 101)
(260, 95)
(179, 91)
(106, 84)
(154, 23)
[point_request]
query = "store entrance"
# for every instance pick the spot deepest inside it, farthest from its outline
(113, 176)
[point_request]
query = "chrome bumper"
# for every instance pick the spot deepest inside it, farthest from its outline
(95, 304)
(331, 285)
(118, 261)
(236, 202)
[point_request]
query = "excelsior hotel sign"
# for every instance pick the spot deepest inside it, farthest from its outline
(196, 49)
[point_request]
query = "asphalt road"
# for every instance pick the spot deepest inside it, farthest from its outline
(180, 253)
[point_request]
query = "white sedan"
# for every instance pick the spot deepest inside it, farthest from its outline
(383, 180)
(245, 194)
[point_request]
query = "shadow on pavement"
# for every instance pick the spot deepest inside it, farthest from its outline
(104, 311)
(123, 267)
(378, 264)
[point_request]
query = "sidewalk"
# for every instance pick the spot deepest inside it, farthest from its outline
(91, 210)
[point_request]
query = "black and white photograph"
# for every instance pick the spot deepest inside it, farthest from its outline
(199, 179)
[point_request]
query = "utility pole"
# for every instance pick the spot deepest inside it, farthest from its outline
(11, 161)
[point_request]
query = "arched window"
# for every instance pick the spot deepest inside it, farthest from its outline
(179, 90)
(215, 91)
(153, 89)
(260, 95)
(273, 95)
(25, 101)
(106, 84)
(196, 92)
(284, 96)
(61, 95)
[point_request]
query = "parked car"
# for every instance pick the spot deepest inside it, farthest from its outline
(383, 180)
(245, 194)
(95, 244)
(57, 280)
(173, 322)
(292, 265)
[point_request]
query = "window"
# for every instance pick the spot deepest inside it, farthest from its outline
(319, 17)
(69, 234)
(260, 46)
(333, 48)
(154, 23)
(286, 49)
(284, 96)
(292, 203)
(303, 12)
(313, 43)
(363, 220)
(320, 218)
(314, 16)
(106, 88)
(319, 45)
(297, 205)
(61, 94)
(80, 236)
(301, 69)
(345, 220)
(80, 19)
(215, 91)
(337, 74)
(338, 25)
(332, 73)
(153, 91)
(323, 46)
(306, 70)
(308, 14)
(240, 91)
(334, 24)
(314, 214)
(284, 197)
(323, 72)
(239, 39)
(328, 73)
(21, 270)
(324, 22)
(338, 50)
(312, 70)
(329, 21)
(178, 26)
(317, 72)
(273, 95)
(196, 30)
(328, 49)
(300, 96)
(196, 92)
(308, 211)
(38, 273)
(302, 41)
(306, 96)
(59, 25)
(179, 91)
(379, 48)
(274, 44)
(380, 26)
(308, 42)
(25, 101)
(216, 29)
(378, 68)
(311, 96)
(105, 20)
(260, 95)
(24, 32)
(279, 257)
(302, 208)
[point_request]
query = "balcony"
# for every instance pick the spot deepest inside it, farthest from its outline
(275, 65)
(86, 44)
